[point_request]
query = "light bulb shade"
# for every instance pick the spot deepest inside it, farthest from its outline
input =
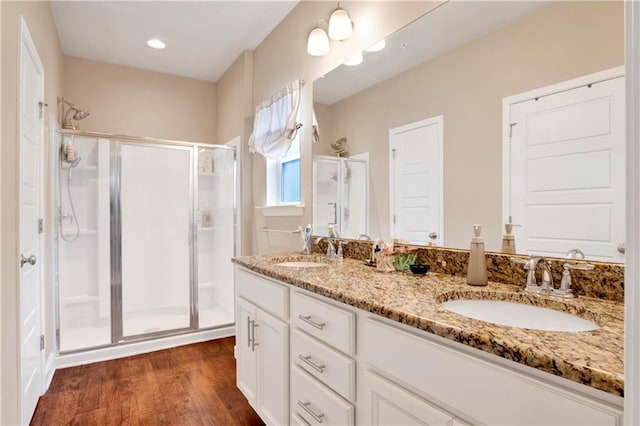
(377, 47)
(318, 42)
(356, 60)
(340, 25)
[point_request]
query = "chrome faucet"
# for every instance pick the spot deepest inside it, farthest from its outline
(331, 250)
(547, 278)
(531, 265)
(363, 237)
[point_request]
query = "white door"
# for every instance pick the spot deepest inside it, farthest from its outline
(568, 172)
(31, 93)
(415, 181)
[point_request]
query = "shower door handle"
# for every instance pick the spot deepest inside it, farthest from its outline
(31, 260)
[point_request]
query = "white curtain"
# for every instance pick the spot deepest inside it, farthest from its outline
(275, 126)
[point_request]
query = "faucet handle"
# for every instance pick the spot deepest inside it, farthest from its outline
(579, 266)
(565, 285)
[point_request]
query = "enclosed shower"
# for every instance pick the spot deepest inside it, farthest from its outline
(145, 232)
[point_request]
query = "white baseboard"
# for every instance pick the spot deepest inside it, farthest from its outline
(136, 348)
(49, 369)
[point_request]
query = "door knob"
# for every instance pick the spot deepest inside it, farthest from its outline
(621, 249)
(31, 260)
(433, 235)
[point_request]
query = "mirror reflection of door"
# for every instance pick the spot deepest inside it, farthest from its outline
(567, 168)
(415, 181)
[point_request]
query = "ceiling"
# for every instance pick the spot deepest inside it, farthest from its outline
(203, 38)
(451, 25)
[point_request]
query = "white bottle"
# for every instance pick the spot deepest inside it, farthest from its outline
(477, 271)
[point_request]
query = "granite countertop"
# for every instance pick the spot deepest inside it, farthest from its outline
(593, 358)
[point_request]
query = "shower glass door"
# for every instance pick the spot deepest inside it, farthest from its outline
(156, 222)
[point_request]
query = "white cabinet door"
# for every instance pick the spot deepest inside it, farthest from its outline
(272, 348)
(385, 403)
(246, 375)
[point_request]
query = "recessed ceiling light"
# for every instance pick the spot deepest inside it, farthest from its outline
(156, 44)
(377, 47)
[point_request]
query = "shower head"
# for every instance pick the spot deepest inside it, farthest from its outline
(78, 114)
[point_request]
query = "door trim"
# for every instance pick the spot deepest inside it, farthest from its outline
(439, 119)
(632, 231)
(26, 40)
(553, 89)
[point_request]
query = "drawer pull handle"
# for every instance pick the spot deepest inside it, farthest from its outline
(307, 360)
(308, 320)
(252, 326)
(306, 406)
(302, 419)
(249, 321)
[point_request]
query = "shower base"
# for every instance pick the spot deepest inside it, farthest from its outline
(87, 337)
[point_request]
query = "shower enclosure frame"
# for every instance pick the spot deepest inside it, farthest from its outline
(115, 205)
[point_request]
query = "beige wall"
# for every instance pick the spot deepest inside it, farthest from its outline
(467, 85)
(234, 117)
(282, 58)
(42, 28)
(137, 102)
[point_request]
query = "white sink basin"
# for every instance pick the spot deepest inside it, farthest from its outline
(519, 315)
(301, 264)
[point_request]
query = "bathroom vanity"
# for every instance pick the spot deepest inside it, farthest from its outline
(341, 343)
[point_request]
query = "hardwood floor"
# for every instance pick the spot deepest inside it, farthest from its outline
(193, 384)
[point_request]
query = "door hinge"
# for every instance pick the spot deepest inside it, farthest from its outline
(394, 219)
(42, 106)
(511, 128)
(393, 153)
(40, 226)
(42, 342)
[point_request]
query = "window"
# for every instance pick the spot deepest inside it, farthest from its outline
(283, 177)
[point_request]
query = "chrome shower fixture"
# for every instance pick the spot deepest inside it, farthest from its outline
(70, 123)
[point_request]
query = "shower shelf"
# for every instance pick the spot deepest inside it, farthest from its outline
(72, 231)
(206, 174)
(208, 229)
(207, 285)
(87, 168)
(75, 300)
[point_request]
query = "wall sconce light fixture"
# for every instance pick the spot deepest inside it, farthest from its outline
(318, 41)
(340, 25)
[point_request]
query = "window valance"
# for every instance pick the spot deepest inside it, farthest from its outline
(275, 124)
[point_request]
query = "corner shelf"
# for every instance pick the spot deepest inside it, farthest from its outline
(207, 229)
(72, 231)
(77, 300)
(206, 174)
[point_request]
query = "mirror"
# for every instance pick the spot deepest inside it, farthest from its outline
(445, 93)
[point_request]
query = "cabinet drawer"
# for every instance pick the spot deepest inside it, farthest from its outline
(315, 403)
(327, 365)
(479, 390)
(263, 292)
(326, 322)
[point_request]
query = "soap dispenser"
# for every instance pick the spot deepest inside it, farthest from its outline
(508, 239)
(477, 271)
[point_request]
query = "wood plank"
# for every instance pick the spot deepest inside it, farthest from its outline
(187, 385)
